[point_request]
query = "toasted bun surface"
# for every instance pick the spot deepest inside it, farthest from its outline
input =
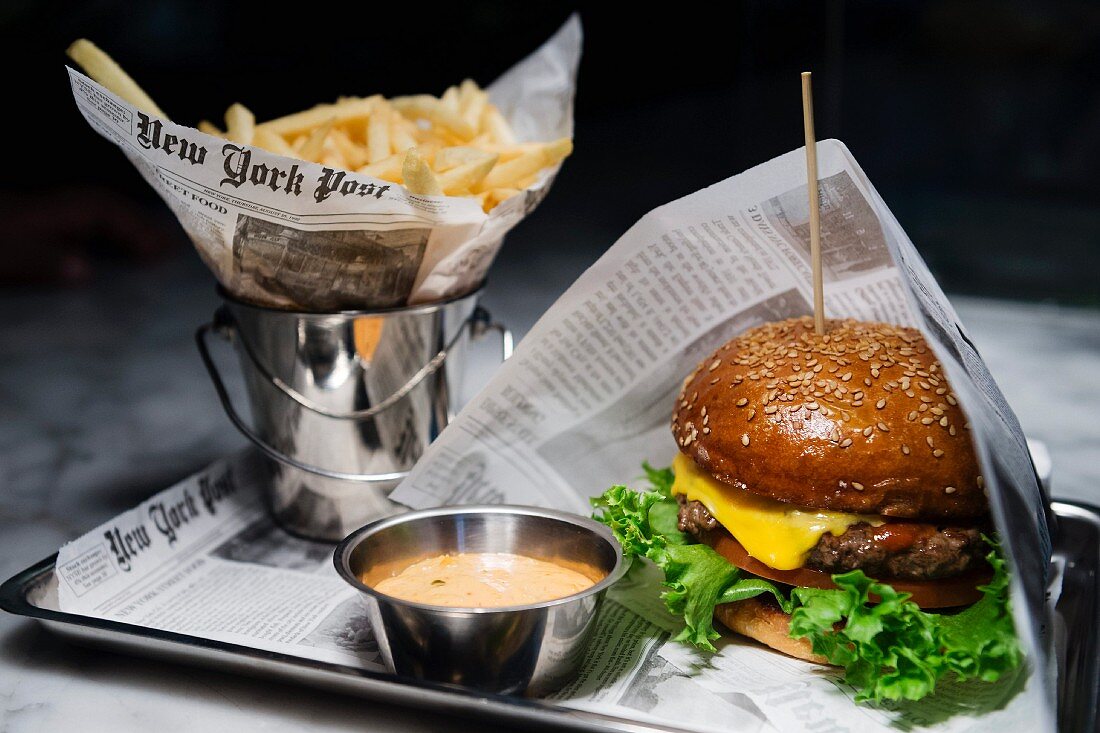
(759, 619)
(860, 420)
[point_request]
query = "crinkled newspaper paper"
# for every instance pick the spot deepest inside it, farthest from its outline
(288, 233)
(589, 391)
(586, 397)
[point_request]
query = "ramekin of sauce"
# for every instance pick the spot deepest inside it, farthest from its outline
(497, 598)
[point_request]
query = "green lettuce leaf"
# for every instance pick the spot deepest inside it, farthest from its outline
(696, 577)
(890, 650)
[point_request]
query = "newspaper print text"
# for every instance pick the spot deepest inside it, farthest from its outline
(151, 136)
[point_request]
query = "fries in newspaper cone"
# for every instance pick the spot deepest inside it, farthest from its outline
(457, 144)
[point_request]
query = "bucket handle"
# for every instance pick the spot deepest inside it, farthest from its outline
(478, 323)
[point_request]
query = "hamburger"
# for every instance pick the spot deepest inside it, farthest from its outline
(818, 477)
(803, 456)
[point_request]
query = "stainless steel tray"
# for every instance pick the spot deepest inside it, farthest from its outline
(1076, 635)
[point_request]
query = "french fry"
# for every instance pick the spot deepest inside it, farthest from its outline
(332, 158)
(450, 99)
(494, 197)
(429, 149)
(210, 128)
(240, 124)
(508, 175)
(355, 155)
(510, 152)
(388, 169)
(378, 133)
(427, 107)
(452, 157)
(418, 176)
(465, 177)
(471, 102)
(401, 138)
(314, 145)
(274, 143)
(493, 122)
(109, 74)
(343, 112)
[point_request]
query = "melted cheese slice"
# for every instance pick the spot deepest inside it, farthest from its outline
(777, 534)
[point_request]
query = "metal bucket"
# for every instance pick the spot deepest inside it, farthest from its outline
(345, 403)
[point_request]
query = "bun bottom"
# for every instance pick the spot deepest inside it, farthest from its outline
(766, 623)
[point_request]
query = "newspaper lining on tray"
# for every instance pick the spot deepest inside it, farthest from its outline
(584, 400)
(288, 233)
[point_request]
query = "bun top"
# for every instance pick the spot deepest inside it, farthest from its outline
(859, 420)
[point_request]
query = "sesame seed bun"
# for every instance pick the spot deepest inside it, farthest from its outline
(761, 619)
(859, 420)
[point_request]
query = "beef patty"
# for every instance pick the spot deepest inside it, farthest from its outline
(908, 550)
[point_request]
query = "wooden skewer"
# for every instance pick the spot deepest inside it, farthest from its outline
(815, 205)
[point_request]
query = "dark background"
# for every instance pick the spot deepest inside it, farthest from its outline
(979, 122)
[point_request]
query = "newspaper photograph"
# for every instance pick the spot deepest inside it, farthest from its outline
(285, 232)
(582, 403)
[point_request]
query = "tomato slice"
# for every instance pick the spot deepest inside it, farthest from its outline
(942, 593)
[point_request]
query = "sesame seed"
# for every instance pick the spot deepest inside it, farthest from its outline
(882, 426)
(745, 439)
(770, 409)
(943, 421)
(845, 443)
(706, 419)
(912, 416)
(931, 443)
(857, 486)
(742, 402)
(949, 490)
(951, 400)
(752, 414)
(951, 430)
(926, 421)
(905, 449)
(715, 364)
(938, 453)
(706, 431)
(981, 482)
(880, 404)
(846, 377)
(715, 380)
(867, 431)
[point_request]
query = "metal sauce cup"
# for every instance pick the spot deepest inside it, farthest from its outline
(528, 649)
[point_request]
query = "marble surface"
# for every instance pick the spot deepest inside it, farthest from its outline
(103, 401)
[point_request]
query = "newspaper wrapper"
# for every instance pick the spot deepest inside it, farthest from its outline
(586, 397)
(287, 233)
